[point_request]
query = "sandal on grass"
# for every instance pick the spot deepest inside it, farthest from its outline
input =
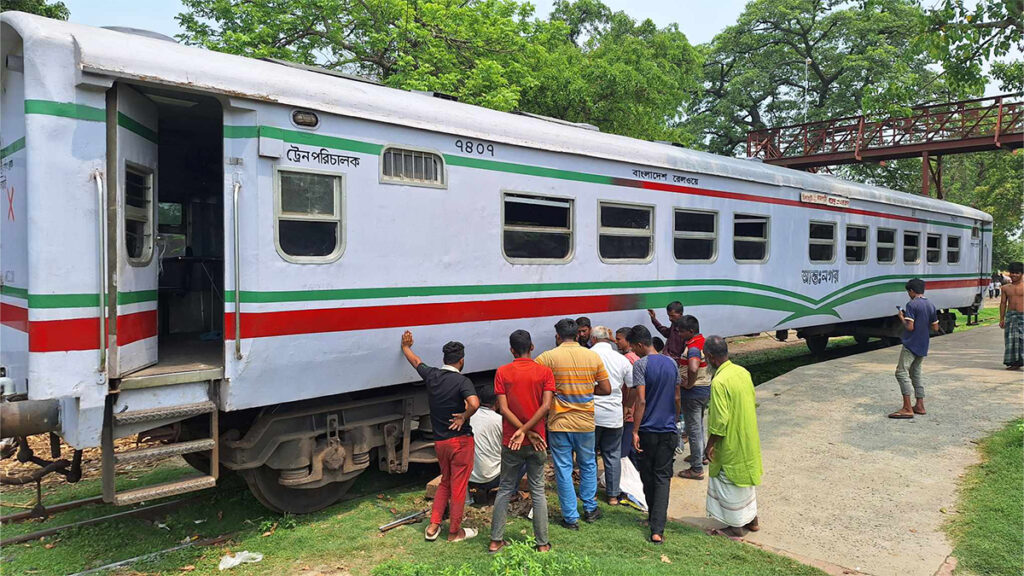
(431, 537)
(470, 533)
(501, 544)
(539, 546)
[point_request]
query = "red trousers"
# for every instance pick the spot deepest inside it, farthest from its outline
(455, 455)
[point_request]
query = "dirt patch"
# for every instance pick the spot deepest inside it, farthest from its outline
(92, 464)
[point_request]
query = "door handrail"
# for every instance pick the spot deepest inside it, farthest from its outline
(101, 198)
(238, 291)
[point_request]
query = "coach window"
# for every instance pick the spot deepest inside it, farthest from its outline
(695, 236)
(750, 238)
(822, 242)
(885, 245)
(911, 247)
(536, 229)
(953, 249)
(308, 207)
(625, 232)
(138, 214)
(933, 252)
(856, 244)
(412, 167)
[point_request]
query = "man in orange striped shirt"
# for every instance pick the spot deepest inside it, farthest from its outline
(571, 420)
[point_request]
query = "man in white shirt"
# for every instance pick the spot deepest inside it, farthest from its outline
(486, 424)
(608, 409)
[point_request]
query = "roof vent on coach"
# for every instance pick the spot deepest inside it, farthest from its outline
(141, 32)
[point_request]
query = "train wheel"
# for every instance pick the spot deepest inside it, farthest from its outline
(817, 344)
(861, 339)
(264, 486)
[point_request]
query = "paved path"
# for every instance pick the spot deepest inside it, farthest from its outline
(846, 485)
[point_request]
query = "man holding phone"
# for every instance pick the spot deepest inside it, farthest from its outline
(918, 318)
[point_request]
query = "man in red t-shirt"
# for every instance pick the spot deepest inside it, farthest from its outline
(525, 391)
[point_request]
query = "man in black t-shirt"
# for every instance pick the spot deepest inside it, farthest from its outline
(453, 400)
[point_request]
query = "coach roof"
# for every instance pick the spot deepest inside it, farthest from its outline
(125, 55)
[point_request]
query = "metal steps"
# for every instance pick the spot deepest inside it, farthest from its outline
(164, 490)
(117, 422)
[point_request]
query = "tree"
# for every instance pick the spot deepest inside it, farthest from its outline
(607, 69)
(790, 61)
(584, 64)
(964, 35)
(56, 10)
(991, 181)
(476, 50)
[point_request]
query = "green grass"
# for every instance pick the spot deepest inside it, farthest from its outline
(344, 539)
(988, 531)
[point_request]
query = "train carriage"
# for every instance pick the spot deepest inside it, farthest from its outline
(227, 250)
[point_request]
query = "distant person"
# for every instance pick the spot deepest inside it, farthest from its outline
(571, 422)
(525, 391)
(1011, 318)
(695, 394)
(486, 424)
(734, 448)
(453, 400)
(918, 318)
(674, 345)
(655, 378)
(628, 395)
(583, 331)
(608, 416)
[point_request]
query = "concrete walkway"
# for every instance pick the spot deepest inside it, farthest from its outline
(847, 486)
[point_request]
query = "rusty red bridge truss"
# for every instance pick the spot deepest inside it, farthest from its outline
(931, 131)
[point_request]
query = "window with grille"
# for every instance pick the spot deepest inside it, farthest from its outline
(953, 249)
(885, 246)
(821, 243)
(695, 236)
(413, 167)
(749, 238)
(856, 244)
(933, 252)
(138, 214)
(911, 247)
(309, 216)
(536, 229)
(625, 232)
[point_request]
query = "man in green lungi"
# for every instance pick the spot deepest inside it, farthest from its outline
(734, 448)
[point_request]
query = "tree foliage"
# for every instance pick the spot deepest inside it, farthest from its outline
(585, 64)
(56, 10)
(790, 61)
(964, 35)
(992, 182)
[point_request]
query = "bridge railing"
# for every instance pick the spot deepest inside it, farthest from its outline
(993, 117)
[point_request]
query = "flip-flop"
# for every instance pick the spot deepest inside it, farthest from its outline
(428, 537)
(538, 547)
(653, 541)
(717, 532)
(920, 413)
(470, 533)
(901, 416)
(498, 549)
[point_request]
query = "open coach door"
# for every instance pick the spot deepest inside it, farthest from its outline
(132, 152)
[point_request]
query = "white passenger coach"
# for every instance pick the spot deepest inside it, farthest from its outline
(256, 235)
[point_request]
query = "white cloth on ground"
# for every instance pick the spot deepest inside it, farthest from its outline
(730, 504)
(629, 483)
(608, 409)
(486, 424)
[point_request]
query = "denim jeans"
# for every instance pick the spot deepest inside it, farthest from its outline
(563, 445)
(512, 463)
(609, 442)
(693, 411)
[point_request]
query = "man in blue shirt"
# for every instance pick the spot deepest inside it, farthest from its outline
(655, 378)
(918, 318)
